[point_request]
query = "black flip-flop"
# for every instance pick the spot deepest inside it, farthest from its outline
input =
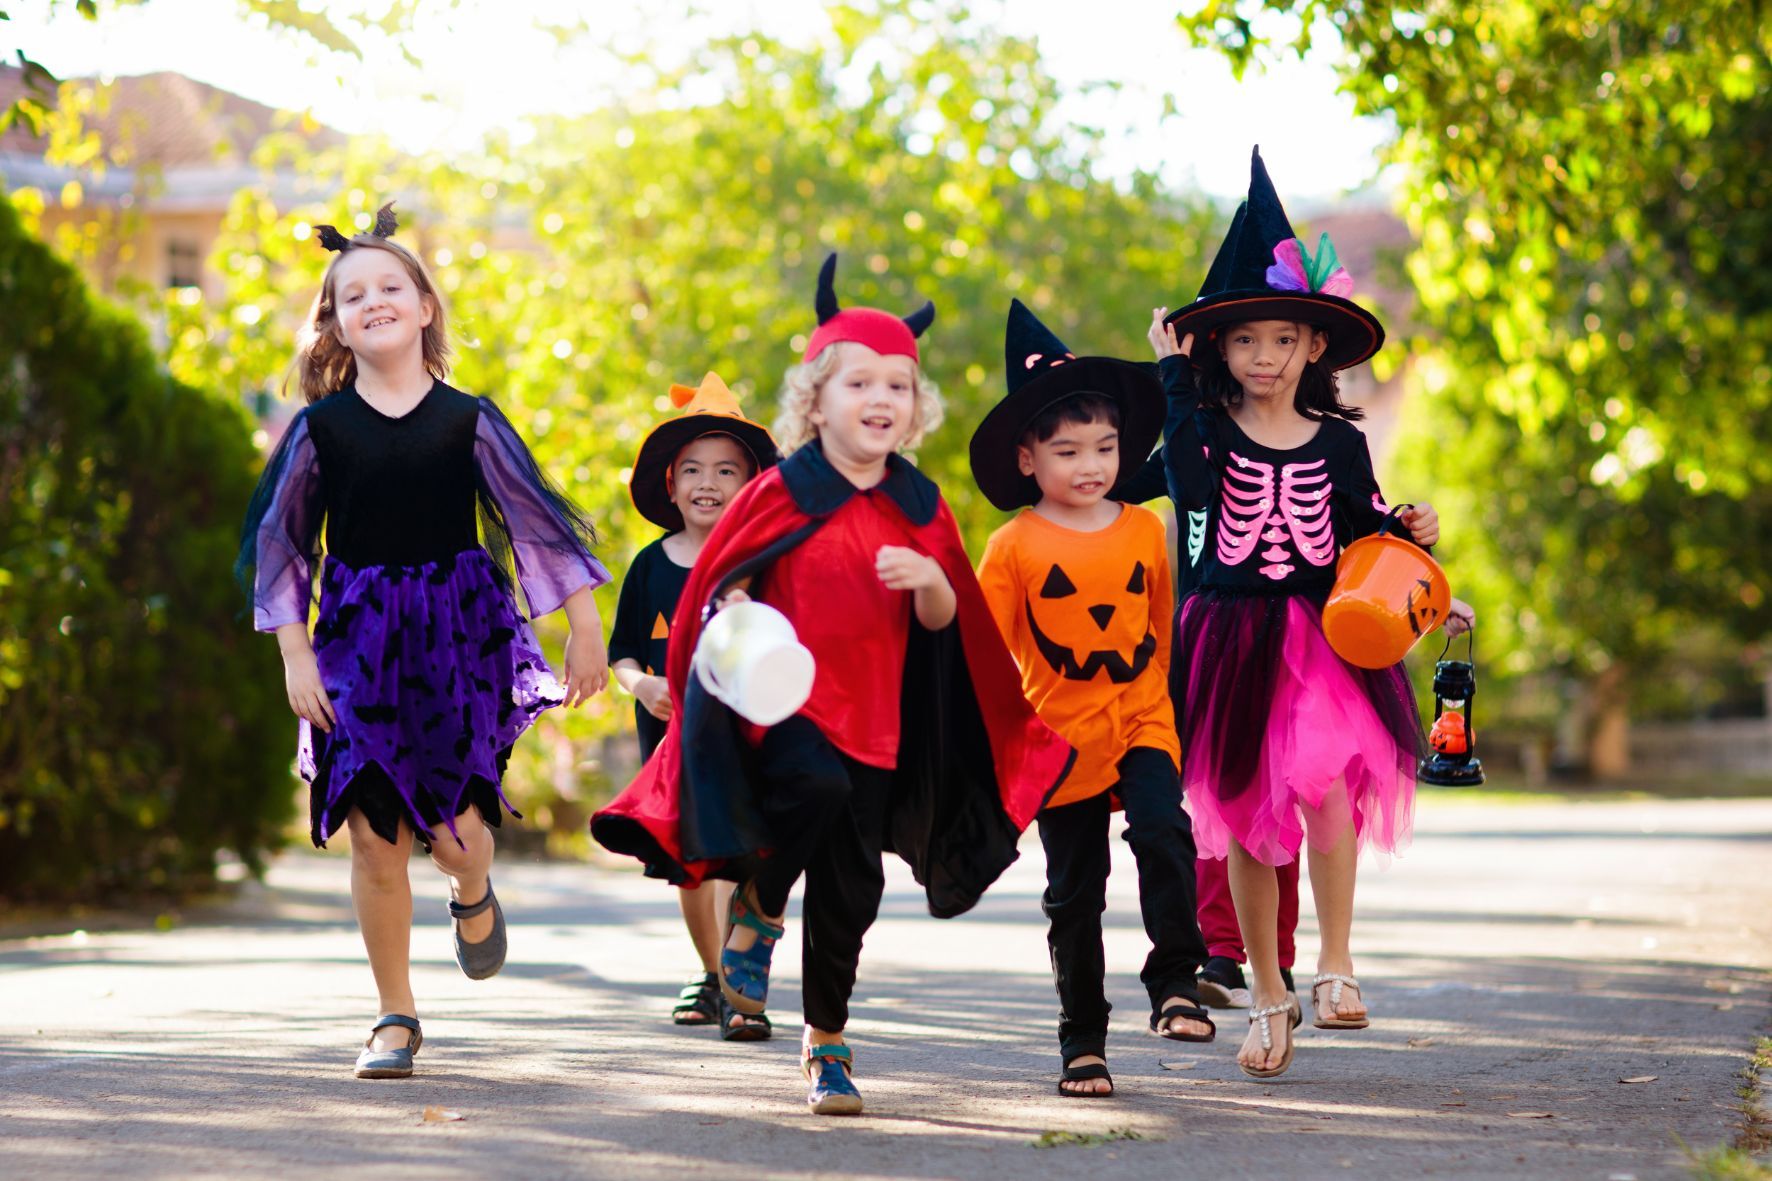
(1082, 1074)
(753, 1027)
(1160, 1023)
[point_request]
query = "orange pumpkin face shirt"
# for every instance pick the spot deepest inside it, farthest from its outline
(1087, 618)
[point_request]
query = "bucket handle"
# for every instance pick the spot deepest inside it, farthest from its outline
(1393, 520)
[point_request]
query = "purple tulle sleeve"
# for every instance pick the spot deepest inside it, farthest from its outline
(279, 545)
(525, 513)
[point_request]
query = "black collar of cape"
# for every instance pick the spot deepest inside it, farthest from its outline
(818, 489)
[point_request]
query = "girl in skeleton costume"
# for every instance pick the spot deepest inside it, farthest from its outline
(421, 672)
(1281, 738)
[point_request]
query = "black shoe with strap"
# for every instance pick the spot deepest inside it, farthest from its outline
(699, 1002)
(1194, 1012)
(750, 1027)
(1087, 1072)
(374, 1063)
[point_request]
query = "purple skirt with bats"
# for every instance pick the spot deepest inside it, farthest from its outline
(433, 674)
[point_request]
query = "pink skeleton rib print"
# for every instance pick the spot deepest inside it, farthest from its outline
(1285, 509)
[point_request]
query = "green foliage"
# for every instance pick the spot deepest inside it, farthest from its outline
(1588, 184)
(141, 727)
(680, 230)
(1052, 1138)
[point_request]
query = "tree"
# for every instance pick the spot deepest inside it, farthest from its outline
(1588, 186)
(141, 730)
(679, 229)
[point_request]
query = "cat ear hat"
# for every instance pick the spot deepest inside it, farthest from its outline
(1041, 373)
(708, 409)
(1265, 272)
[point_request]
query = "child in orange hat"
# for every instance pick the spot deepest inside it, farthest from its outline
(688, 471)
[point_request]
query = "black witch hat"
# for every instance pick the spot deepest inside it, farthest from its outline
(1264, 272)
(1043, 372)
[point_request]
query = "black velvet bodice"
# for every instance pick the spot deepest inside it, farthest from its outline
(398, 491)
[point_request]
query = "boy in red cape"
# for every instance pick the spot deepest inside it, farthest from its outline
(916, 737)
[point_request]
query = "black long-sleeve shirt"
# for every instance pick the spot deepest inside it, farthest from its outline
(1276, 518)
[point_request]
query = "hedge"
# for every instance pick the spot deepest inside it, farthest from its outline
(143, 727)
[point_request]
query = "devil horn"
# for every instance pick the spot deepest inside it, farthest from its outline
(330, 238)
(918, 321)
(826, 301)
(385, 221)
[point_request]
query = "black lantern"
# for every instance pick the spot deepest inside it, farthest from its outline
(1454, 761)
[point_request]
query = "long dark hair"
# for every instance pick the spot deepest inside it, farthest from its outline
(1317, 397)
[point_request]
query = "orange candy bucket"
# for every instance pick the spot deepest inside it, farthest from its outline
(1389, 592)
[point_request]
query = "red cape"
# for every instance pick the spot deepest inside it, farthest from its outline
(975, 761)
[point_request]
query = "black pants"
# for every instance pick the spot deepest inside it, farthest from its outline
(1077, 862)
(827, 813)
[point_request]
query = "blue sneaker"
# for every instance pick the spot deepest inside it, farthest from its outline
(827, 1069)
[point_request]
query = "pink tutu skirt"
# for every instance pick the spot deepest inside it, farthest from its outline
(1273, 723)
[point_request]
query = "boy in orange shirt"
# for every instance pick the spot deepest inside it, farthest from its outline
(1079, 585)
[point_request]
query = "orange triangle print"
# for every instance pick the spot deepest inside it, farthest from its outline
(661, 630)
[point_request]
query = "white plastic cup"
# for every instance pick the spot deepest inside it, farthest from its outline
(750, 659)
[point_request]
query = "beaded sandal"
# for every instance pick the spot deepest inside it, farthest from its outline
(1262, 1016)
(833, 1092)
(1336, 983)
(744, 975)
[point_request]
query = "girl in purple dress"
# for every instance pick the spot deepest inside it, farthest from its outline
(421, 671)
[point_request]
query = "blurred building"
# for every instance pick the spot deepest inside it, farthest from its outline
(175, 151)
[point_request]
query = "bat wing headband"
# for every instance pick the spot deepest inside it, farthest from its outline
(385, 224)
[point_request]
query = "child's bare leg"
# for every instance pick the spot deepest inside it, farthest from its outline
(1332, 869)
(382, 895)
(467, 865)
(704, 913)
(1255, 889)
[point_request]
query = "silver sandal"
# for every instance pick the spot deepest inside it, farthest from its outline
(1336, 983)
(1267, 1040)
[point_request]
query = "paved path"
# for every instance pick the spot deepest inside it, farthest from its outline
(1521, 959)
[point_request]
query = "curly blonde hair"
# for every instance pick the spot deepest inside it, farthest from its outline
(323, 365)
(799, 394)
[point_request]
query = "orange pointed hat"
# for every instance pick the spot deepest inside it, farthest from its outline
(708, 409)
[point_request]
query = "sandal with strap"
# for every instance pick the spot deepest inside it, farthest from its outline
(1267, 1040)
(699, 1002)
(374, 1063)
(744, 975)
(1160, 1023)
(1083, 1074)
(482, 960)
(833, 1092)
(751, 1027)
(1336, 983)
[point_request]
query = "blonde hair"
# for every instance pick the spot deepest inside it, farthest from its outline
(323, 365)
(799, 394)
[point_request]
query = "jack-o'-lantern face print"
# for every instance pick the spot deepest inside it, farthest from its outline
(1424, 615)
(1079, 638)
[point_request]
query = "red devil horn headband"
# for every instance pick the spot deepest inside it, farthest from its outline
(881, 331)
(385, 224)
